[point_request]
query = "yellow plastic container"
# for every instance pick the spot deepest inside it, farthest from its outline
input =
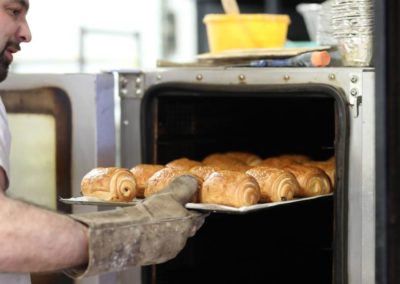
(243, 31)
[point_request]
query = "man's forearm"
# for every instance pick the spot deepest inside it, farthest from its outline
(37, 240)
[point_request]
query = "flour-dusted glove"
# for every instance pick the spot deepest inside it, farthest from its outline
(150, 232)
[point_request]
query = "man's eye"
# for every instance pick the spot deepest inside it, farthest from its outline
(14, 12)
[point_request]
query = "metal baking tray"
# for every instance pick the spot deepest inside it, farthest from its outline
(83, 200)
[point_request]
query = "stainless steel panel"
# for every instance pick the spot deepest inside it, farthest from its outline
(361, 224)
(130, 91)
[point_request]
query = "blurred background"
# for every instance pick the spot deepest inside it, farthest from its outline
(93, 36)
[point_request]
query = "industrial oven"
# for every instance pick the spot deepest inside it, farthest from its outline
(128, 117)
(320, 112)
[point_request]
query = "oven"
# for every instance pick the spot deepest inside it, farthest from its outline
(132, 117)
(171, 113)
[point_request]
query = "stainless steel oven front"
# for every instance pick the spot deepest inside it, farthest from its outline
(174, 112)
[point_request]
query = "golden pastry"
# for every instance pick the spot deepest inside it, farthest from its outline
(312, 180)
(183, 164)
(275, 184)
(328, 166)
(224, 162)
(109, 184)
(163, 177)
(230, 188)
(203, 171)
(283, 160)
(275, 162)
(142, 172)
(249, 159)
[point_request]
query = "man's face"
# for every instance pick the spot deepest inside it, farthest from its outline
(14, 29)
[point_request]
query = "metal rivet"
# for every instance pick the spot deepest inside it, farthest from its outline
(124, 91)
(138, 92)
(242, 77)
(124, 81)
(354, 79)
(125, 122)
(199, 77)
(332, 77)
(138, 81)
(159, 77)
(286, 77)
(354, 92)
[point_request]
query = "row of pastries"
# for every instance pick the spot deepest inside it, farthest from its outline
(233, 178)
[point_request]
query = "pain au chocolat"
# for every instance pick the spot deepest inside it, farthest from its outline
(249, 159)
(328, 166)
(142, 172)
(183, 164)
(225, 162)
(275, 184)
(109, 184)
(160, 179)
(312, 180)
(230, 188)
(204, 171)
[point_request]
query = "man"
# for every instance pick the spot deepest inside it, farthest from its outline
(37, 240)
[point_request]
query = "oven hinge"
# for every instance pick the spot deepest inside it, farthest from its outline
(130, 85)
(355, 91)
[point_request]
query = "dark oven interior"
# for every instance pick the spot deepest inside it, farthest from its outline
(294, 243)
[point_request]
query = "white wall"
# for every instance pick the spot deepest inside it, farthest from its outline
(56, 25)
(186, 30)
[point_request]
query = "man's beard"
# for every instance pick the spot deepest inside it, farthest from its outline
(3, 67)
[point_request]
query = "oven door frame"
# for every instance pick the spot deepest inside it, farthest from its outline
(354, 206)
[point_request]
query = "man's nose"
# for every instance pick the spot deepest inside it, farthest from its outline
(24, 32)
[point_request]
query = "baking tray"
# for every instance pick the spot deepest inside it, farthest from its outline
(85, 200)
(82, 200)
(257, 207)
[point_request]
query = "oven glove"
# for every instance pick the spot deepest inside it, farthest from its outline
(151, 232)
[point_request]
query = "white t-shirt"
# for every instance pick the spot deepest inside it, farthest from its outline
(5, 142)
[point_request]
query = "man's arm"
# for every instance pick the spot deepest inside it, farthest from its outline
(38, 240)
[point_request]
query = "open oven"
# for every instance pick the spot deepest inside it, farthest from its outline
(319, 112)
(169, 113)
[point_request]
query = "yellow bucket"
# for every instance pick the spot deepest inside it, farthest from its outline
(246, 31)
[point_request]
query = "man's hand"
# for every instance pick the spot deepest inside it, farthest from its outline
(151, 232)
